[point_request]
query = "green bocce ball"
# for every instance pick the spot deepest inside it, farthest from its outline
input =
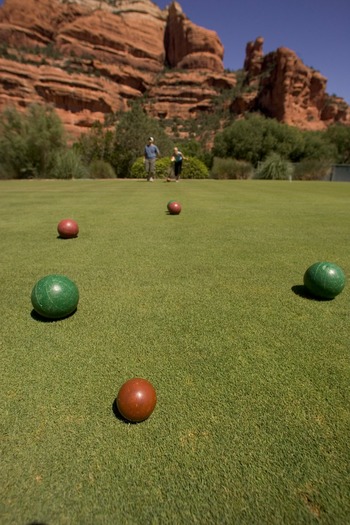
(324, 280)
(55, 297)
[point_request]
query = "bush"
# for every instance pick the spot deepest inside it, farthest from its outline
(274, 168)
(29, 142)
(100, 169)
(192, 168)
(162, 168)
(97, 144)
(339, 136)
(7, 171)
(68, 165)
(256, 137)
(317, 147)
(137, 170)
(312, 169)
(231, 169)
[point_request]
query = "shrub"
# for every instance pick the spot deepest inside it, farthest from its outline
(30, 141)
(162, 168)
(339, 136)
(256, 137)
(312, 169)
(97, 144)
(317, 147)
(192, 168)
(100, 169)
(68, 165)
(231, 169)
(274, 168)
(137, 170)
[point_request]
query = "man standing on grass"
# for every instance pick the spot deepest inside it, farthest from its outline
(151, 154)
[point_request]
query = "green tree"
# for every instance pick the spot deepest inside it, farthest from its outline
(29, 141)
(131, 133)
(285, 140)
(339, 136)
(316, 146)
(97, 144)
(255, 137)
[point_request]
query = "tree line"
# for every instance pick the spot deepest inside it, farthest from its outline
(33, 144)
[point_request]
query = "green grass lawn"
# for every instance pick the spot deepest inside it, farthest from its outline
(252, 423)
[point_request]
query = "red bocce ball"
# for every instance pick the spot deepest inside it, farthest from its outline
(136, 399)
(67, 229)
(174, 208)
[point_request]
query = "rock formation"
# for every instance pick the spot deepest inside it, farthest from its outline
(191, 47)
(281, 86)
(89, 58)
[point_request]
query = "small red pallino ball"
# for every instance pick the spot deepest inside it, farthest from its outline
(136, 399)
(174, 208)
(67, 229)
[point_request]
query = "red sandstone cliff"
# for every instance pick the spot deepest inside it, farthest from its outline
(281, 86)
(90, 57)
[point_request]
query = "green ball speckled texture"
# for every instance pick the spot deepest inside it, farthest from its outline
(324, 280)
(55, 296)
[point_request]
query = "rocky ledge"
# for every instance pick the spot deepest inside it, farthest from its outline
(89, 58)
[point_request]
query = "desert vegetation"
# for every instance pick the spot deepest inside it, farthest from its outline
(34, 144)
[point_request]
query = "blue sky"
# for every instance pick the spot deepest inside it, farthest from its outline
(317, 30)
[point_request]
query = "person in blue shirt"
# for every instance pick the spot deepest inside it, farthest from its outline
(151, 154)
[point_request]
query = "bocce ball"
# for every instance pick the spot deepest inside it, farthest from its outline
(136, 399)
(55, 296)
(174, 208)
(67, 229)
(324, 280)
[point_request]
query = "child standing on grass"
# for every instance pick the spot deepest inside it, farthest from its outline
(177, 159)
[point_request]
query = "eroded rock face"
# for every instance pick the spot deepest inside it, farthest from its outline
(184, 94)
(129, 38)
(281, 86)
(90, 57)
(253, 58)
(189, 46)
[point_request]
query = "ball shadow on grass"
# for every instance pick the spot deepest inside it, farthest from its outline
(302, 291)
(37, 317)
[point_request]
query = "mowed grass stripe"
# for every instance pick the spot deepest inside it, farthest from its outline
(252, 420)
